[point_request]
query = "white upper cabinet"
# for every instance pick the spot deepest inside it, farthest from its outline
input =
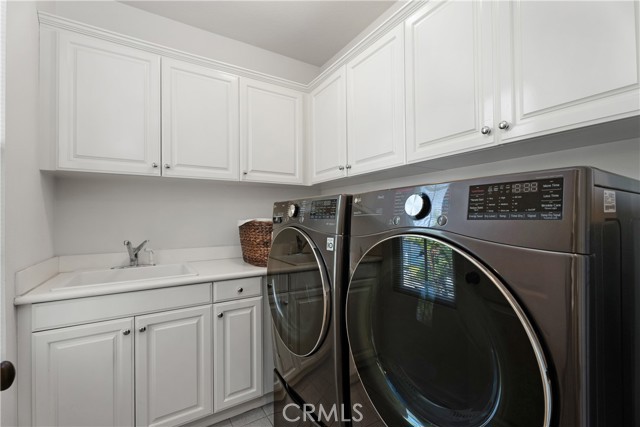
(567, 64)
(271, 133)
(328, 128)
(108, 107)
(199, 122)
(449, 90)
(375, 105)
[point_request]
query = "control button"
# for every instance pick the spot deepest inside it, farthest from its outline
(293, 210)
(396, 220)
(442, 220)
(277, 220)
(417, 206)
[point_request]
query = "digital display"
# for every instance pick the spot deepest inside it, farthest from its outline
(323, 209)
(524, 200)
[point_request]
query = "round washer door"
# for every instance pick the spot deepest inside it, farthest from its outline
(438, 340)
(299, 292)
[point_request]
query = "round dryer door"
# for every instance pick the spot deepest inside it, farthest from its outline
(299, 292)
(438, 340)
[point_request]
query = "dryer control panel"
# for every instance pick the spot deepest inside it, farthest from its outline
(325, 214)
(539, 199)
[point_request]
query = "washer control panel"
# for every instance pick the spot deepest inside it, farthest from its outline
(320, 213)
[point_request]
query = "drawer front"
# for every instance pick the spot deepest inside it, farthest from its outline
(57, 314)
(234, 289)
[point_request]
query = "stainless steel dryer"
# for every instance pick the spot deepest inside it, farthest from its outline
(307, 276)
(503, 301)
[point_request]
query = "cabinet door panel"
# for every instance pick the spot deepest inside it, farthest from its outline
(238, 352)
(565, 64)
(109, 107)
(448, 78)
(83, 375)
(200, 121)
(271, 133)
(328, 128)
(173, 367)
(375, 105)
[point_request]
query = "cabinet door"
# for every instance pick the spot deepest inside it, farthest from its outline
(199, 122)
(328, 128)
(271, 120)
(174, 378)
(449, 88)
(109, 107)
(83, 375)
(238, 352)
(375, 105)
(566, 64)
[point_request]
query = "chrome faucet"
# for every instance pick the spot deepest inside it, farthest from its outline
(133, 252)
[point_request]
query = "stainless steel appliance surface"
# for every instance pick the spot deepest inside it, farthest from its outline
(306, 282)
(510, 300)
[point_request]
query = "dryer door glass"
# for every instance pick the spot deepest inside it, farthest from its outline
(437, 340)
(299, 293)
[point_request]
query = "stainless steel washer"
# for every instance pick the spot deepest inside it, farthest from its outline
(502, 301)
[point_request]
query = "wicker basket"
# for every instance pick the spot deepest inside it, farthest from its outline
(255, 239)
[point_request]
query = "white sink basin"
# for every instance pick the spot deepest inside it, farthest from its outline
(126, 275)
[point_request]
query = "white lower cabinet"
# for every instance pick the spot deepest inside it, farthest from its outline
(165, 361)
(83, 375)
(238, 352)
(174, 381)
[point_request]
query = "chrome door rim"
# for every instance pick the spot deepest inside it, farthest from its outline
(325, 295)
(515, 306)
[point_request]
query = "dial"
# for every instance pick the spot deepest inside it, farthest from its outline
(417, 206)
(293, 210)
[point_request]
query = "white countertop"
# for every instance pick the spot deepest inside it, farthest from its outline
(208, 271)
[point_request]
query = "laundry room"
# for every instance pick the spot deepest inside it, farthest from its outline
(240, 213)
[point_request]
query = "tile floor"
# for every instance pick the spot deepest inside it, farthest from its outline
(259, 417)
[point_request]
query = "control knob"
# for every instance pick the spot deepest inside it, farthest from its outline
(292, 211)
(417, 206)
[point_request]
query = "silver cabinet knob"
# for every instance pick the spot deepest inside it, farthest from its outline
(220, 315)
(126, 332)
(144, 328)
(244, 173)
(348, 166)
(167, 166)
(154, 165)
(504, 125)
(486, 130)
(240, 290)
(340, 168)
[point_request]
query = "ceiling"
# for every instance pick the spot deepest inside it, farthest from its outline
(309, 31)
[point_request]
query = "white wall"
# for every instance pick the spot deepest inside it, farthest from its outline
(621, 157)
(124, 19)
(96, 213)
(28, 202)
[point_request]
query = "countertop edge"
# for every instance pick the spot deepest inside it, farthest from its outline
(228, 266)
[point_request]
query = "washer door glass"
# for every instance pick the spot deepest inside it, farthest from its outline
(437, 340)
(299, 295)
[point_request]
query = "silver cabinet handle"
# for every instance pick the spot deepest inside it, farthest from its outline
(126, 332)
(486, 130)
(504, 125)
(244, 173)
(340, 168)
(220, 315)
(167, 166)
(240, 290)
(154, 165)
(348, 166)
(144, 328)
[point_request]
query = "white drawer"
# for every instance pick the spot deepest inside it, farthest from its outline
(234, 289)
(57, 314)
